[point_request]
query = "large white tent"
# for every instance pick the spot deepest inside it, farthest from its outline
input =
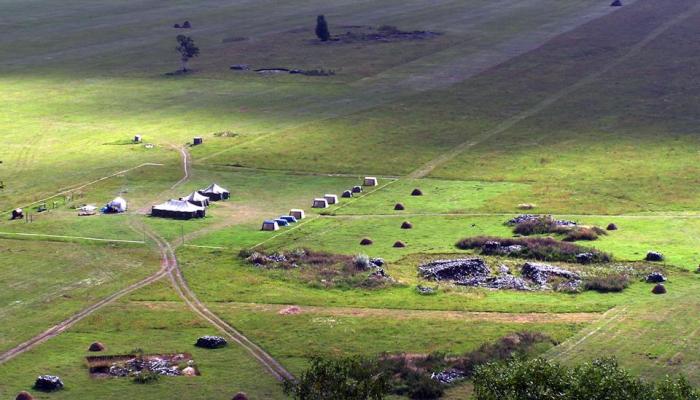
(178, 209)
(215, 192)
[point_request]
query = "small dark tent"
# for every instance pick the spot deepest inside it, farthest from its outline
(17, 213)
(178, 209)
(215, 192)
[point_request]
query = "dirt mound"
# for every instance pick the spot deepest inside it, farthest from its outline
(399, 207)
(406, 225)
(659, 289)
(240, 396)
(611, 227)
(291, 310)
(24, 396)
(416, 192)
(399, 244)
(456, 270)
(366, 241)
(97, 346)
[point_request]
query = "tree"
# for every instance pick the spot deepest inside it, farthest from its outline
(322, 29)
(187, 50)
(354, 378)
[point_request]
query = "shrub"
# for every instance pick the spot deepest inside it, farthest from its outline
(612, 282)
(577, 234)
(322, 31)
(146, 377)
(354, 378)
(537, 248)
(425, 388)
(361, 262)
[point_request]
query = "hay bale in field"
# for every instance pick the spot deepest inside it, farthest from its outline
(24, 395)
(211, 342)
(659, 289)
(416, 192)
(347, 194)
(654, 256)
(366, 241)
(97, 346)
(48, 383)
(240, 396)
(616, 3)
(399, 207)
(357, 189)
(399, 244)
(611, 227)
(406, 225)
(370, 181)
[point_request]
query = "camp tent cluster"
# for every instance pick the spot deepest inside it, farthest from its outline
(284, 220)
(191, 206)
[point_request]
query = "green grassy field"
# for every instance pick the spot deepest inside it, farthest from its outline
(586, 113)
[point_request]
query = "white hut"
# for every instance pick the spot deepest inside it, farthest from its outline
(331, 198)
(320, 203)
(270, 225)
(297, 213)
(370, 181)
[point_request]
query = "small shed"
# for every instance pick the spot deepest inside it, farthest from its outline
(178, 209)
(137, 138)
(197, 141)
(197, 199)
(270, 225)
(320, 203)
(297, 213)
(370, 181)
(118, 205)
(215, 192)
(331, 198)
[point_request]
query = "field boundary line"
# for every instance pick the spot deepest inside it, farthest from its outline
(72, 237)
(66, 191)
(509, 123)
(568, 346)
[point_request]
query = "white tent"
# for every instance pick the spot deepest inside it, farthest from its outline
(117, 205)
(197, 199)
(215, 192)
(180, 209)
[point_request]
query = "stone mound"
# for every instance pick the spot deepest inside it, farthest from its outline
(211, 342)
(457, 270)
(540, 273)
(48, 383)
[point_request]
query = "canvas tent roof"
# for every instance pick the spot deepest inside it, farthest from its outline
(178, 205)
(195, 196)
(214, 188)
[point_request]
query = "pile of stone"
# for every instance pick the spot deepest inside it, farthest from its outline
(530, 218)
(501, 282)
(48, 383)
(425, 290)
(493, 247)
(656, 277)
(159, 365)
(211, 342)
(458, 270)
(447, 376)
(541, 273)
(260, 259)
(654, 256)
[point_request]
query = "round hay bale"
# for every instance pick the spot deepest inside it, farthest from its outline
(240, 396)
(406, 225)
(416, 192)
(399, 207)
(659, 289)
(366, 241)
(399, 244)
(24, 395)
(97, 346)
(611, 227)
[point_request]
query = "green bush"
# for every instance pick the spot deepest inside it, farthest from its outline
(145, 377)
(541, 379)
(612, 282)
